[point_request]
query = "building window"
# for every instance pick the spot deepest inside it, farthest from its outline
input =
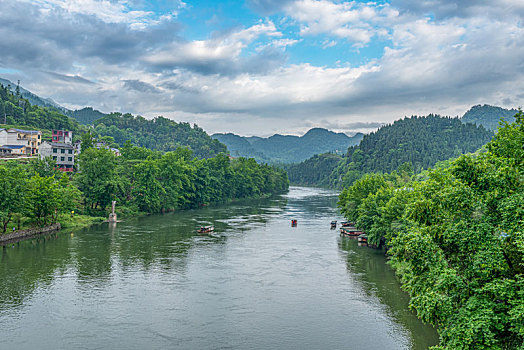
(62, 159)
(54, 150)
(39, 137)
(70, 159)
(70, 151)
(62, 150)
(54, 157)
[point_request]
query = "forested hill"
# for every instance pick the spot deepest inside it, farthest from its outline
(160, 134)
(16, 110)
(32, 98)
(418, 141)
(421, 141)
(288, 148)
(488, 116)
(87, 115)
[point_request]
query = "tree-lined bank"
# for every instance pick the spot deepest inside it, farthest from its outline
(456, 240)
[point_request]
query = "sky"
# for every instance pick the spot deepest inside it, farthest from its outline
(259, 67)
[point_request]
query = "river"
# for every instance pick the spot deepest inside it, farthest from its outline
(152, 282)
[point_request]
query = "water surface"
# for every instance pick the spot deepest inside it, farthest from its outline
(153, 283)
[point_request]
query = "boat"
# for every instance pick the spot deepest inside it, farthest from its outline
(294, 222)
(352, 232)
(363, 238)
(206, 229)
(334, 224)
(347, 224)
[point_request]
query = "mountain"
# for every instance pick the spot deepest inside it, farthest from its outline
(239, 146)
(84, 116)
(19, 111)
(288, 148)
(488, 116)
(161, 134)
(87, 115)
(32, 98)
(416, 143)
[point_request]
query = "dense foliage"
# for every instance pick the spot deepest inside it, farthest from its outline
(288, 148)
(140, 180)
(15, 110)
(456, 239)
(419, 141)
(313, 171)
(160, 134)
(488, 116)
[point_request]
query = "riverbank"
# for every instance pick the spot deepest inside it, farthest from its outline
(22, 235)
(64, 222)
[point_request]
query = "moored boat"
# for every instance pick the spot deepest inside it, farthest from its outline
(347, 224)
(206, 229)
(352, 232)
(334, 224)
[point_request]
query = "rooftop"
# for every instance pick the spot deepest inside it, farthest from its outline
(12, 146)
(60, 145)
(24, 131)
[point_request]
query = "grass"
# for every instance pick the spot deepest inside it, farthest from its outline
(78, 221)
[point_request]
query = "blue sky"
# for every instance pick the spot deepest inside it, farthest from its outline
(258, 67)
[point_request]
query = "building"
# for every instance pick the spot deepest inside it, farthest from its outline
(31, 139)
(62, 136)
(9, 150)
(62, 153)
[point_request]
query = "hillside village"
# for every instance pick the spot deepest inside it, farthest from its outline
(26, 144)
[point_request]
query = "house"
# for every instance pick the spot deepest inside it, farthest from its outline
(31, 139)
(8, 150)
(62, 136)
(62, 153)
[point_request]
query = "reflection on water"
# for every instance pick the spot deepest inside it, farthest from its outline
(257, 283)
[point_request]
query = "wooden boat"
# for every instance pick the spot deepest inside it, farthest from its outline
(347, 224)
(363, 238)
(206, 229)
(352, 232)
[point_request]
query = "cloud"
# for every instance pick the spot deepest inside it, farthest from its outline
(127, 59)
(221, 54)
(139, 86)
(354, 21)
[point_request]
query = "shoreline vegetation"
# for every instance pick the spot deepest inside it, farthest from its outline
(454, 236)
(141, 181)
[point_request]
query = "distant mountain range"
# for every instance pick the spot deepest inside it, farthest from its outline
(288, 148)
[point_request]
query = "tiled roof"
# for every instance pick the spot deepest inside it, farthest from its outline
(12, 146)
(25, 131)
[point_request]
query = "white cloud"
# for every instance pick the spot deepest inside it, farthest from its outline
(354, 21)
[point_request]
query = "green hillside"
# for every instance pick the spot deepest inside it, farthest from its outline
(15, 110)
(87, 115)
(416, 143)
(159, 134)
(488, 116)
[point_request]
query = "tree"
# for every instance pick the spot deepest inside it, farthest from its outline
(12, 193)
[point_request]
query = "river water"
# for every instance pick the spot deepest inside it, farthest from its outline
(153, 283)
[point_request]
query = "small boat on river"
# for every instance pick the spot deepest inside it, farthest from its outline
(334, 224)
(206, 229)
(363, 238)
(293, 222)
(351, 232)
(347, 224)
